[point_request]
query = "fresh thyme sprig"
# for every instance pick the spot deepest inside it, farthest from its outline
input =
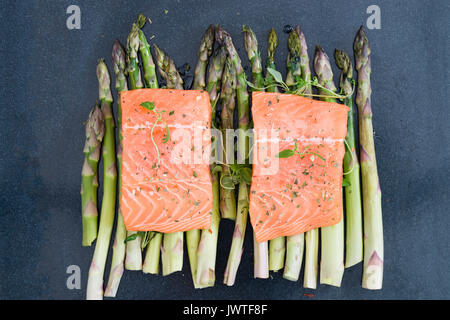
(300, 84)
(151, 106)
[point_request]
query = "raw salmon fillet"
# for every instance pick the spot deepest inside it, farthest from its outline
(296, 194)
(175, 195)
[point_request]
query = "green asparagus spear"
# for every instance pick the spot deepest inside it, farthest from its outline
(150, 79)
(371, 191)
(295, 243)
(134, 73)
(242, 99)
(118, 258)
(294, 70)
(251, 46)
(332, 260)
(172, 248)
(205, 51)
(304, 60)
(311, 258)
(234, 258)
(95, 130)
(215, 79)
(172, 253)
(168, 70)
(294, 256)
(294, 57)
(312, 236)
(97, 269)
(270, 62)
(277, 252)
(277, 248)
(206, 46)
(289, 78)
(227, 202)
(133, 260)
(152, 255)
(260, 249)
(261, 256)
(353, 210)
(207, 248)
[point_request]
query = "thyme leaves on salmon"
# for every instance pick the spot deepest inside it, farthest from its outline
(151, 106)
(287, 153)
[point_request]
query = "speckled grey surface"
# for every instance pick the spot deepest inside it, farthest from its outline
(48, 86)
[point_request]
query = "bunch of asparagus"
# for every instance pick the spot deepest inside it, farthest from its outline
(219, 71)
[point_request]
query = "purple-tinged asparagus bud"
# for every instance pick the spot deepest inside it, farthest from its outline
(323, 69)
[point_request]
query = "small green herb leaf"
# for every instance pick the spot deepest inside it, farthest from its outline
(275, 74)
(167, 134)
(131, 238)
(286, 153)
(148, 105)
(346, 183)
(251, 85)
(227, 182)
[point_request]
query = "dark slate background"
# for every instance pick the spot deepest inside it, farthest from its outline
(48, 86)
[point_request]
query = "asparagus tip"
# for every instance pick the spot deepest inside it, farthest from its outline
(318, 49)
(158, 51)
(320, 58)
(294, 43)
(342, 60)
(97, 122)
(141, 20)
(360, 39)
(245, 28)
(361, 30)
(302, 39)
(102, 73)
(208, 40)
(323, 69)
(250, 42)
(221, 34)
(273, 39)
(118, 54)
